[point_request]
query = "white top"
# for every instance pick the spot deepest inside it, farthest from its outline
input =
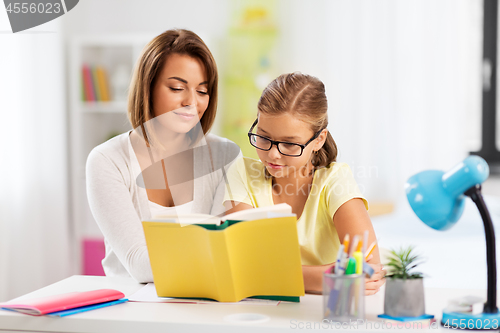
(119, 203)
(154, 208)
(157, 209)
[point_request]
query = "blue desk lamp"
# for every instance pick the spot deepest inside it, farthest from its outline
(438, 199)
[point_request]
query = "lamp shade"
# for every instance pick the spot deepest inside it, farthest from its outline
(437, 197)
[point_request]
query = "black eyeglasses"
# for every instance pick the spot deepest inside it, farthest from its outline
(285, 148)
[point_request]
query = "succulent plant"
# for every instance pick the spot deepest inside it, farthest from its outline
(402, 262)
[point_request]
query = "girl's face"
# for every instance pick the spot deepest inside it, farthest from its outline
(180, 94)
(286, 127)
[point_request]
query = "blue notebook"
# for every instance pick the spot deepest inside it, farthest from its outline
(65, 313)
(405, 319)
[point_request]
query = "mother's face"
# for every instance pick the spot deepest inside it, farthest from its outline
(180, 93)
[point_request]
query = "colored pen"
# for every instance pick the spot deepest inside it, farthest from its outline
(368, 270)
(370, 250)
(358, 256)
(356, 284)
(333, 299)
(346, 243)
(339, 260)
(343, 260)
(354, 245)
(343, 263)
(348, 286)
(360, 269)
(351, 267)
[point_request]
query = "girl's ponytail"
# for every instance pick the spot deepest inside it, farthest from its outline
(327, 154)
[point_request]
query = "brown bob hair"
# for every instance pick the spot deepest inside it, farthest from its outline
(150, 64)
(304, 96)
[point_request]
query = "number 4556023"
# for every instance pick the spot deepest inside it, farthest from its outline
(472, 323)
(25, 7)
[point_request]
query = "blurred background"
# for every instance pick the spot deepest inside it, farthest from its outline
(403, 81)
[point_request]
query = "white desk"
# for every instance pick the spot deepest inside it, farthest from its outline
(168, 317)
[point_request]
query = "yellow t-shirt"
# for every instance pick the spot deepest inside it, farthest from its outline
(332, 186)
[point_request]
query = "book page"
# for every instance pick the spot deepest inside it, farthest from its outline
(185, 219)
(148, 294)
(279, 210)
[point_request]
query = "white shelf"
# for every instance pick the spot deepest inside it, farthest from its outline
(104, 107)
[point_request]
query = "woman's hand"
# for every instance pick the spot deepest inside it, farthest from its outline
(373, 284)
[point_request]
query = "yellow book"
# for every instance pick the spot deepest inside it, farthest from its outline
(226, 262)
(102, 84)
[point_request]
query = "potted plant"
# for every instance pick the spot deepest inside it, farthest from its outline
(404, 291)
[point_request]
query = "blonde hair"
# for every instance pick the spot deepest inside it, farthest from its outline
(149, 66)
(304, 96)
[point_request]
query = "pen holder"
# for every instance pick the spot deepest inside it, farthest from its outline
(343, 297)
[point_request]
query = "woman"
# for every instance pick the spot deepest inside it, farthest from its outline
(167, 164)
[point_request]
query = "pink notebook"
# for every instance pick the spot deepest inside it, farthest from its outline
(48, 304)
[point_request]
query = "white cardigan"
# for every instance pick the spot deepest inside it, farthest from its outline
(119, 205)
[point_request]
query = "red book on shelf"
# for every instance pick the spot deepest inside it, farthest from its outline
(49, 304)
(82, 87)
(85, 96)
(87, 80)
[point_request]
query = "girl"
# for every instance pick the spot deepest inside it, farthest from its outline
(168, 164)
(297, 166)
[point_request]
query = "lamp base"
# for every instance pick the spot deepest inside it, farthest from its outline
(482, 321)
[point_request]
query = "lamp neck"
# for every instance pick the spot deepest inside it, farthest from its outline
(491, 302)
(466, 174)
(457, 180)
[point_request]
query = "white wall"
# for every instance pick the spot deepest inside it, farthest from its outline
(34, 235)
(207, 18)
(402, 79)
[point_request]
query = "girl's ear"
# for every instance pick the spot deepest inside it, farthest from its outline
(320, 140)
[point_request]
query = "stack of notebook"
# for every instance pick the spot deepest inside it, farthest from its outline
(66, 304)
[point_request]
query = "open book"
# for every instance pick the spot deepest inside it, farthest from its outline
(243, 215)
(252, 253)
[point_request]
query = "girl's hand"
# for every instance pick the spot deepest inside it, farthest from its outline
(373, 284)
(313, 277)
